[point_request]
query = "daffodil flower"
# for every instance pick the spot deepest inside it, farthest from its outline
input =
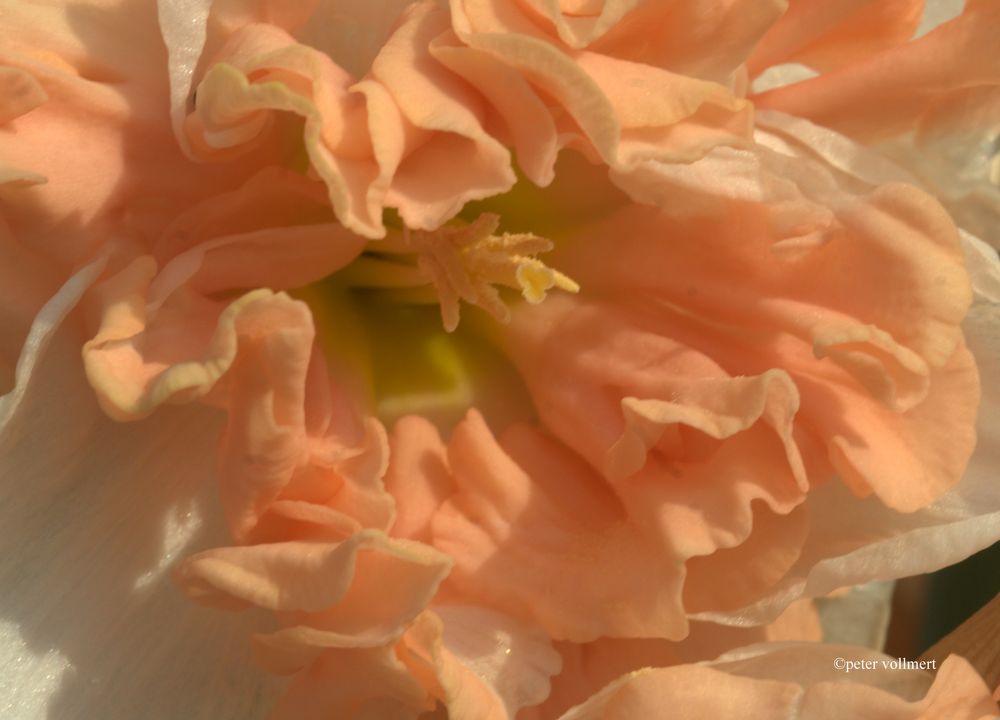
(484, 354)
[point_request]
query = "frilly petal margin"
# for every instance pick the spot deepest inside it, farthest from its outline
(530, 523)
(440, 92)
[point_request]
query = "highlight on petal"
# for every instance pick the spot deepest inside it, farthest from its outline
(486, 665)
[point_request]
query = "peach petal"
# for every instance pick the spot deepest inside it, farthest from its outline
(887, 93)
(258, 236)
(735, 577)
(434, 101)
(310, 579)
(526, 507)
(233, 112)
(418, 476)
(829, 35)
(870, 447)
(930, 290)
(899, 389)
(580, 26)
(296, 459)
(705, 39)
(704, 693)
(517, 106)
(21, 93)
(352, 683)
(655, 113)
(101, 138)
(880, 542)
(128, 385)
(606, 348)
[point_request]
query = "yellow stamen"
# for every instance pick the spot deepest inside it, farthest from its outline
(463, 262)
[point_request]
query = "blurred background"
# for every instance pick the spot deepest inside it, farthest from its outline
(925, 608)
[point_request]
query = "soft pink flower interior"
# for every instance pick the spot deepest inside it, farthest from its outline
(767, 317)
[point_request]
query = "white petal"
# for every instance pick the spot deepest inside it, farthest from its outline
(91, 514)
(184, 25)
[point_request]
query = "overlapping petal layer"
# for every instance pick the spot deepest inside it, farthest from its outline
(445, 89)
(772, 343)
(931, 104)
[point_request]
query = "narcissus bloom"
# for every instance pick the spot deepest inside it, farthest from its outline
(483, 352)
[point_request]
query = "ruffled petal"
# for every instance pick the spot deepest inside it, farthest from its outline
(873, 354)
(621, 111)
(366, 584)
(531, 524)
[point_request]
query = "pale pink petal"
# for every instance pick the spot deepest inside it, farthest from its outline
(790, 680)
(486, 666)
(589, 667)
(704, 693)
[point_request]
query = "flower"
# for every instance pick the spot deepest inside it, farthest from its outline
(726, 337)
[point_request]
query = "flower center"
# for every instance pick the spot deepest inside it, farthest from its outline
(461, 262)
(377, 316)
(393, 315)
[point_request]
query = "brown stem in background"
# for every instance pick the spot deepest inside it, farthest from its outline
(977, 640)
